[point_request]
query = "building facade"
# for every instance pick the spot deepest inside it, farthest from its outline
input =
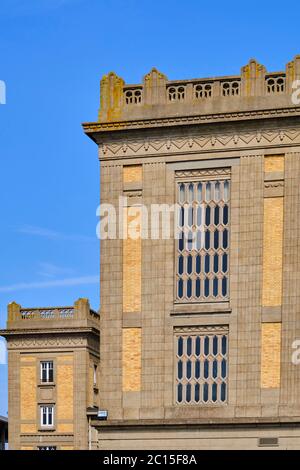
(199, 326)
(199, 330)
(53, 360)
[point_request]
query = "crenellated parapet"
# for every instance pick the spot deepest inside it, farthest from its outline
(157, 96)
(78, 315)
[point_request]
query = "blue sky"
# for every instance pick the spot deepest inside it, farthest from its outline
(52, 56)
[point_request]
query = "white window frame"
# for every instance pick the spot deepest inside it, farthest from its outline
(49, 365)
(49, 411)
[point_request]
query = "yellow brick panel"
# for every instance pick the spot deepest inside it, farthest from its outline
(64, 427)
(28, 384)
(132, 173)
(131, 359)
(270, 355)
(132, 266)
(66, 448)
(27, 359)
(64, 392)
(64, 359)
(28, 428)
(27, 448)
(272, 252)
(274, 163)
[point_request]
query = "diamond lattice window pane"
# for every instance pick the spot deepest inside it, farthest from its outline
(203, 244)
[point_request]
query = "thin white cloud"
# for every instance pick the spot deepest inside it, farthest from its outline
(53, 234)
(50, 270)
(71, 281)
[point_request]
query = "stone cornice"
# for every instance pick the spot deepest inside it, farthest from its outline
(48, 331)
(178, 423)
(91, 128)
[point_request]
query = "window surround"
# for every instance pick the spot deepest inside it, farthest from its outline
(208, 284)
(49, 371)
(203, 308)
(47, 412)
(206, 367)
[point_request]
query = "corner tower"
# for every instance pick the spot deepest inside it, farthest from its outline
(53, 364)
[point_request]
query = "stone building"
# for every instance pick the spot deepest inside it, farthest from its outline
(199, 330)
(53, 360)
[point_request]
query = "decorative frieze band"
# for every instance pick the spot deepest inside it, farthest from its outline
(213, 173)
(190, 144)
(51, 438)
(204, 329)
(130, 194)
(274, 189)
(274, 184)
(50, 342)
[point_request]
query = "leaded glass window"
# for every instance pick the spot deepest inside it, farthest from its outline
(203, 242)
(201, 367)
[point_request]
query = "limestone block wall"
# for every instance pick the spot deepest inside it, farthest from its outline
(140, 322)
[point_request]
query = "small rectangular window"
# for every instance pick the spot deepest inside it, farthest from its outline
(47, 372)
(47, 416)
